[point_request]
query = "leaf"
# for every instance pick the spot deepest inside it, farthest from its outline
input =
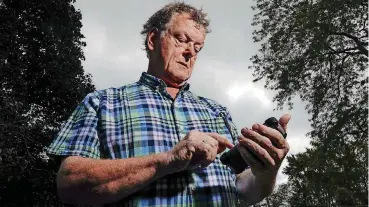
(319, 50)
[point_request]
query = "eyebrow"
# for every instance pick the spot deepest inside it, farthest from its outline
(188, 37)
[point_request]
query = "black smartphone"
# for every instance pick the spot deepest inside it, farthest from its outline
(233, 158)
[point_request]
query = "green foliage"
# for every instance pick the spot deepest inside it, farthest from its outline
(41, 81)
(280, 196)
(318, 50)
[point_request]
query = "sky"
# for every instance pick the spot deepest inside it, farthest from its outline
(115, 57)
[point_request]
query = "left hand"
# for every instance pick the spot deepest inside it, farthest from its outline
(259, 141)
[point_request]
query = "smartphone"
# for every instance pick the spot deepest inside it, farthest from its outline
(233, 158)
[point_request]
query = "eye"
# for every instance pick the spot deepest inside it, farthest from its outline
(181, 39)
(197, 48)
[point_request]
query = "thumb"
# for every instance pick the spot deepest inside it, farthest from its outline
(283, 121)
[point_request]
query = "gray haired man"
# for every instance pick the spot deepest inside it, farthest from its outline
(154, 142)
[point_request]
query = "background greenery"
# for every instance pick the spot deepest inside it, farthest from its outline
(316, 50)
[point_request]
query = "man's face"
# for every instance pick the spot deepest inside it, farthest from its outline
(178, 48)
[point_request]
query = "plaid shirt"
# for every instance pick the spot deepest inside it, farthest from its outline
(142, 119)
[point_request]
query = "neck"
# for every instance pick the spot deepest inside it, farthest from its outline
(172, 87)
(173, 92)
(154, 71)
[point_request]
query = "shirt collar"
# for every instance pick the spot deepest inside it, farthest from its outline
(157, 83)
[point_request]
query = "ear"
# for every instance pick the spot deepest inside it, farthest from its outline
(151, 38)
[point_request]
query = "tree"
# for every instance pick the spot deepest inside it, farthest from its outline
(318, 51)
(280, 196)
(41, 81)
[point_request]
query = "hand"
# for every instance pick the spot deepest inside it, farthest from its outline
(197, 149)
(267, 145)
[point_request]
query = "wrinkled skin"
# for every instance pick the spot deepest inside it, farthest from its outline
(192, 152)
(173, 53)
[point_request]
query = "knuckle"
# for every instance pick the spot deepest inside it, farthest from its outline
(251, 134)
(267, 143)
(280, 156)
(192, 134)
(251, 146)
(262, 153)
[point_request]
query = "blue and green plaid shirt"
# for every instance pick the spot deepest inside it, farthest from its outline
(142, 119)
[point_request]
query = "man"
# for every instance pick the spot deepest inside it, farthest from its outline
(154, 143)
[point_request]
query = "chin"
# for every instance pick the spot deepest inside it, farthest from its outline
(178, 83)
(178, 77)
(181, 80)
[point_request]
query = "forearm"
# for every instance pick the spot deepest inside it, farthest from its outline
(252, 189)
(91, 181)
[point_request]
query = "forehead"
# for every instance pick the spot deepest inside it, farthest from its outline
(184, 23)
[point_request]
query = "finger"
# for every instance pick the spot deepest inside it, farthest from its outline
(204, 149)
(258, 138)
(211, 141)
(222, 140)
(221, 149)
(283, 121)
(208, 153)
(191, 146)
(253, 155)
(274, 135)
(209, 161)
(209, 156)
(249, 157)
(258, 151)
(200, 156)
(215, 148)
(264, 142)
(214, 153)
(277, 154)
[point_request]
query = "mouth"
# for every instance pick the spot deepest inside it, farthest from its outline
(184, 64)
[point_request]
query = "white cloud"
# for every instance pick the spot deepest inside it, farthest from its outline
(96, 39)
(281, 177)
(112, 63)
(236, 91)
(298, 143)
(136, 57)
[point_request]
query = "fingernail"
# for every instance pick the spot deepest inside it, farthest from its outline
(244, 130)
(258, 126)
(248, 133)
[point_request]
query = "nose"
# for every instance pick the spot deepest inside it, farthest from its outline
(189, 52)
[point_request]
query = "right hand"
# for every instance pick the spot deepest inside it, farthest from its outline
(197, 149)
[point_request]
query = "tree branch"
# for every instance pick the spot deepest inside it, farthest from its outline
(339, 79)
(342, 51)
(360, 45)
(365, 31)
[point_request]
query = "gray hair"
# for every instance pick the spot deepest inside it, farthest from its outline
(162, 17)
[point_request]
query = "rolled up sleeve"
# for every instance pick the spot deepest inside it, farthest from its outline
(78, 136)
